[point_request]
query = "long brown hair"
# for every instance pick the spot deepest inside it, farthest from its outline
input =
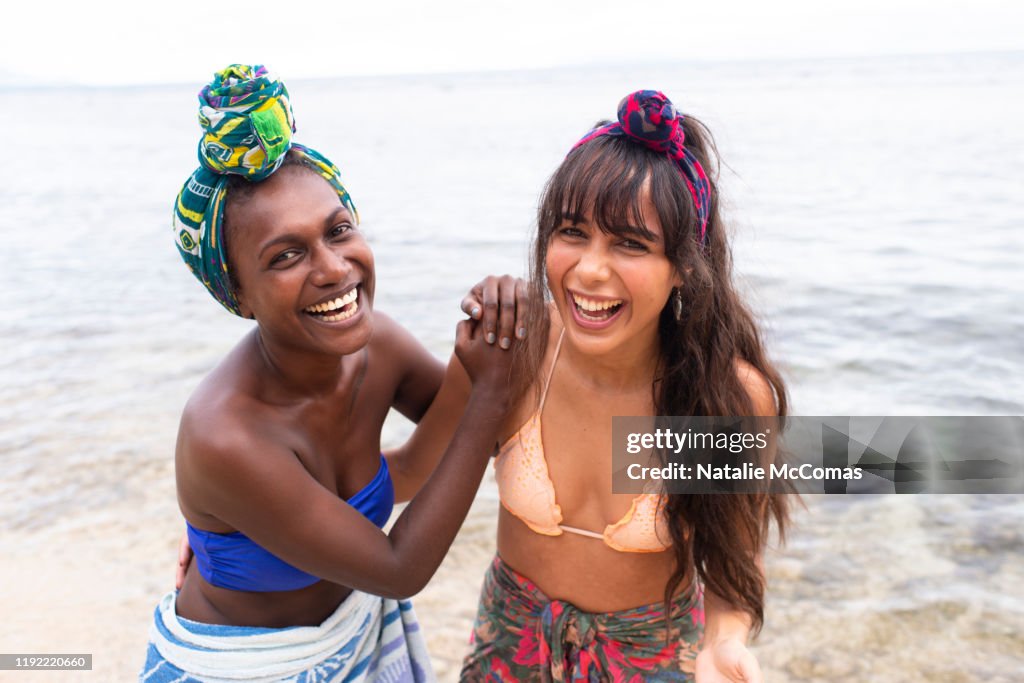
(716, 538)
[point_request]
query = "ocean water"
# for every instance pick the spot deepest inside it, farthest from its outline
(877, 210)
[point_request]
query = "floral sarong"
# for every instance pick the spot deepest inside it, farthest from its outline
(521, 636)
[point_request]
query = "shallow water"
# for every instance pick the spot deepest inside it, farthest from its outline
(876, 205)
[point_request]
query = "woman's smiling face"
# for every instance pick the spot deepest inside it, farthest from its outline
(610, 288)
(303, 269)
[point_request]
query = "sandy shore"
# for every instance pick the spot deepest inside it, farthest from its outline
(89, 585)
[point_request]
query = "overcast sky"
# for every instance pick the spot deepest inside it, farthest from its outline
(121, 42)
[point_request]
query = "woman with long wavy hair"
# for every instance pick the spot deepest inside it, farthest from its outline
(642, 319)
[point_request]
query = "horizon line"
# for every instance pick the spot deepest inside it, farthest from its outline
(27, 82)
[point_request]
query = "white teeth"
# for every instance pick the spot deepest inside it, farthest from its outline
(344, 315)
(340, 302)
(589, 305)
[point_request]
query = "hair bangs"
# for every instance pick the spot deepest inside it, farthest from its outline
(603, 182)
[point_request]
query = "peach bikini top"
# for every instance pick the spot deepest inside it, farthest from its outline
(526, 490)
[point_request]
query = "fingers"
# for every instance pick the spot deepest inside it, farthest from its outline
(491, 309)
(464, 332)
(184, 550)
(472, 304)
(501, 305)
(522, 307)
(468, 332)
(507, 313)
(471, 307)
(184, 558)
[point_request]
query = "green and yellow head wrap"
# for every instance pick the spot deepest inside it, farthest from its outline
(247, 124)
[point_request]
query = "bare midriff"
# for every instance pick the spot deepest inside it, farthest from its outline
(200, 601)
(582, 570)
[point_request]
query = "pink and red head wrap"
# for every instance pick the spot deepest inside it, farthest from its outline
(648, 118)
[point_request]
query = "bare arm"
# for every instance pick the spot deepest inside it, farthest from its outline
(261, 489)
(423, 397)
(412, 462)
(420, 372)
(724, 657)
(500, 305)
(723, 621)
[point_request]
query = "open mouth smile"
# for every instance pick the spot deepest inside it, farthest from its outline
(337, 309)
(595, 313)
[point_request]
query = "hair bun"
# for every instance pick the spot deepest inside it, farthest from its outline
(247, 122)
(650, 118)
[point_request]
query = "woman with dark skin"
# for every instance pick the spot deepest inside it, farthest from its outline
(289, 424)
(278, 462)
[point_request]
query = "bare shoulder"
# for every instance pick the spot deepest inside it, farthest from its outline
(236, 462)
(220, 431)
(225, 433)
(390, 337)
(387, 332)
(398, 346)
(226, 404)
(760, 390)
(402, 362)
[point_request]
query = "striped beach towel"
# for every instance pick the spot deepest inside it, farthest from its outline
(367, 639)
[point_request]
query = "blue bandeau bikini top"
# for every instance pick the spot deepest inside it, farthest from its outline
(234, 561)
